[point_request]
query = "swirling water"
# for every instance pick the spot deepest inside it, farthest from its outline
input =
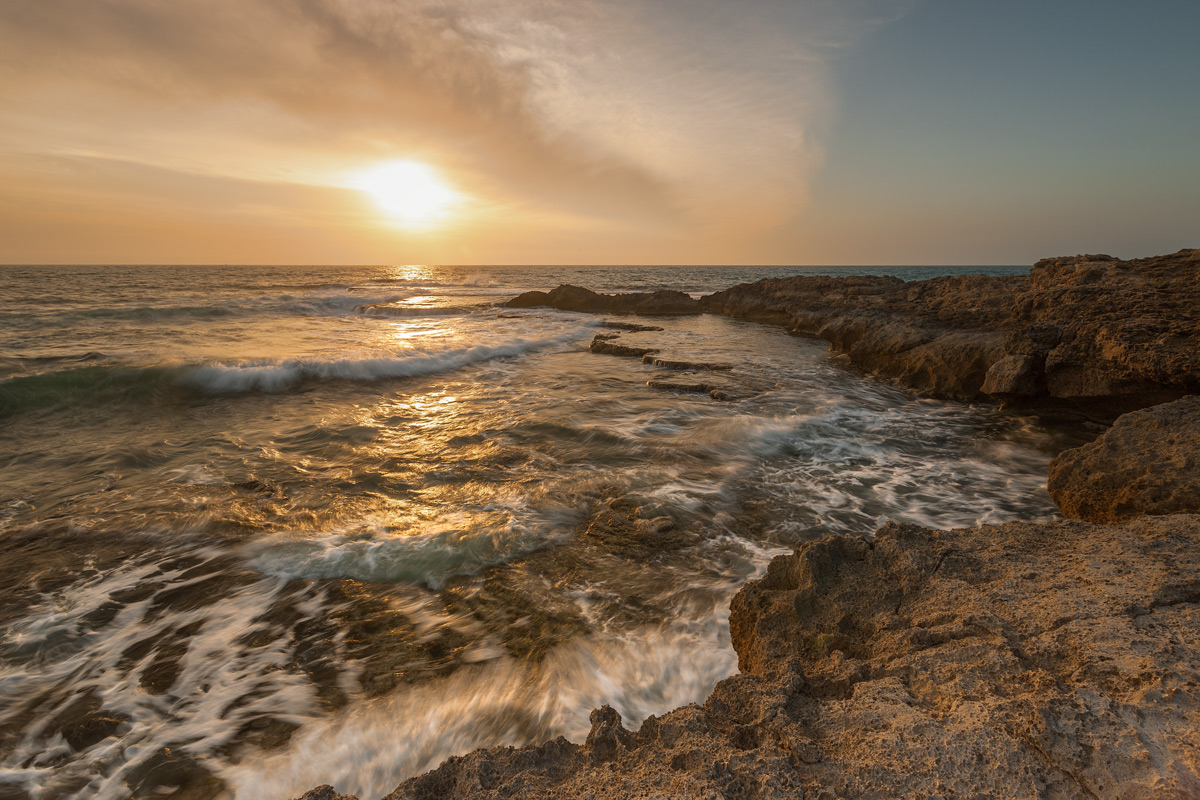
(255, 536)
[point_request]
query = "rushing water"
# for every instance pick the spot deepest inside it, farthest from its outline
(253, 539)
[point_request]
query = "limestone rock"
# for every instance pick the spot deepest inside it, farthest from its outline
(1054, 660)
(604, 343)
(1147, 463)
(576, 298)
(1089, 332)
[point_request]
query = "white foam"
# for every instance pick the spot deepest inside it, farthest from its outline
(219, 686)
(370, 747)
(275, 376)
(427, 557)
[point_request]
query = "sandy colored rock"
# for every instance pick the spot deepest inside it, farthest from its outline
(1147, 463)
(1055, 660)
(576, 298)
(1086, 332)
(606, 344)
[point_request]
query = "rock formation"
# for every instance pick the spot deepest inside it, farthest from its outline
(1095, 333)
(1089, 333)
(1147, 463)
(1019, 660)
(575, 298)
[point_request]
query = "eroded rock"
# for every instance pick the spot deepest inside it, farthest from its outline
(1019, 660)
(607, 345)
(1147, 463)
(1087, 332)
(576, 298)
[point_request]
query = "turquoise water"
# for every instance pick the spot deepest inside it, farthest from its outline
(255, 537)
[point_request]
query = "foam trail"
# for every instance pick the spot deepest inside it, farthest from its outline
(369, 748)
(218, 688)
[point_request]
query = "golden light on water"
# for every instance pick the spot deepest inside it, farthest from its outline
(409, 191)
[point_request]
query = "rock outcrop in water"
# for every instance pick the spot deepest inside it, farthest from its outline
(575, 298)
(1019, 660)
(1088, 333)
(1147, 463)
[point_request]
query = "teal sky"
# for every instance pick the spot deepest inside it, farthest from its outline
(977, 132)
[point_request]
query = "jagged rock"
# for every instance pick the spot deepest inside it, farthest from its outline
(576, 298)
(679, 364)
(630, 327)
(325, 792)
(603, 343)
(717, 387)
(1147, 463)
(1020, 660)
(1092, 332)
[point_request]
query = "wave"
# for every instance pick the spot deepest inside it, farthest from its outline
(99, 384)
(278, 376)
(429, 558)
(322, 305)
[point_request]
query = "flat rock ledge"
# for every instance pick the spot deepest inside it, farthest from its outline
(1057, 660)
(1147, 463)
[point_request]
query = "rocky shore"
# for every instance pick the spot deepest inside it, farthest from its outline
(1089, 334)
(1017, 660)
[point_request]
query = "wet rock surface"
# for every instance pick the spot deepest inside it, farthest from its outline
(1090, 333)
(717, 386)
(1147, 463)
(576, 298)
(678, 374)
(1020, 660)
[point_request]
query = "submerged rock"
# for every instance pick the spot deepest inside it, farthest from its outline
(1147, 463)
(605, 344)
(680, 364)
(718, 387)
(630, 327)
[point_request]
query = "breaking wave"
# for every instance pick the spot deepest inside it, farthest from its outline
(116, 382)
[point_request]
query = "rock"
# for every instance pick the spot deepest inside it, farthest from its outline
(603, 343)
(1019, 660)
(1147, 463)
(85, 722)
(1092, 333)
(678, 364)
(630, 327)
(576, 298)
(717, 387)
(325, 792)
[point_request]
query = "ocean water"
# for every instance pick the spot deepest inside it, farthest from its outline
(263, 528)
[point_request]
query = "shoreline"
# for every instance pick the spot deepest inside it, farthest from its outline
(1057, 659)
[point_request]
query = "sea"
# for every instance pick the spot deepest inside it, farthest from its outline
(264, 528)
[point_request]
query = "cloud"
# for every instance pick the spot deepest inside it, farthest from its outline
(698, 117)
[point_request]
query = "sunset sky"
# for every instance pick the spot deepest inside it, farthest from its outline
(597, 131)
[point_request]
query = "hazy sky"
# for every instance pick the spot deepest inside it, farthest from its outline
(598, 131)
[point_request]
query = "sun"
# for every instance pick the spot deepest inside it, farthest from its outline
(410, 191)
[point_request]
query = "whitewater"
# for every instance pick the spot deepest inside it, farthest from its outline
(268, 527)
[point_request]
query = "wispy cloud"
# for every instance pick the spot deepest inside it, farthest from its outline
(700, 118)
